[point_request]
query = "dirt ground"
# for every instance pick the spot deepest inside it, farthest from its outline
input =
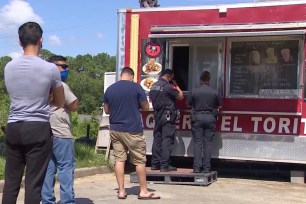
(102, 188)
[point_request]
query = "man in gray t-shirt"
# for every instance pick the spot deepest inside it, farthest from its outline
(28, 81)
(62, 160)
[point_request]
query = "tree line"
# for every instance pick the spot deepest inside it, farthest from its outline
(86, 79)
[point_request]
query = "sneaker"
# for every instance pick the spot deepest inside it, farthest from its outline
(155, 167)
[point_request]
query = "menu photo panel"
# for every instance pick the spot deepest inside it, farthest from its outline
(152, 58)
(264, 68)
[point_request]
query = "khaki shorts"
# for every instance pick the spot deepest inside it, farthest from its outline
(134, 143)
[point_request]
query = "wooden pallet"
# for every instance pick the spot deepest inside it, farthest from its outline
(181, 176)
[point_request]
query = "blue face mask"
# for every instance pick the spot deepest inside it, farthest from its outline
(64, 74)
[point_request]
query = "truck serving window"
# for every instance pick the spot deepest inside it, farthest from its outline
(191, 56)
(180, 66)
(264, 67)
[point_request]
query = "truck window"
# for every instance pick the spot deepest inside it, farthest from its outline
(264, 67)
(180, 66)
(190, 57)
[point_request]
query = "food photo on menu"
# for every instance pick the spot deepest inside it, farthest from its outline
(147, 83)
(152, 67)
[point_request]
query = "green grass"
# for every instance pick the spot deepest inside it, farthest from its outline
(84, 154)
(2, 165)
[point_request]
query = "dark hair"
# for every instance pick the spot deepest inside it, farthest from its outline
(205, 76)
(167, 72)
(127, 70)
(29, 34)
(56, 58)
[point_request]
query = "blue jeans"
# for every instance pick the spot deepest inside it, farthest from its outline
(62, 162)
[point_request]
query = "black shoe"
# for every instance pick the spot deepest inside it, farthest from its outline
(206, 171)
(155, 167)
(196, 170)
(169, 168)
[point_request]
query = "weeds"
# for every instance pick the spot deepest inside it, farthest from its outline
(84, 153)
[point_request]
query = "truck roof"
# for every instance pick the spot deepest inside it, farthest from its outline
(261, 3)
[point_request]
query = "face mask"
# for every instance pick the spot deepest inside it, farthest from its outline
(64, 75)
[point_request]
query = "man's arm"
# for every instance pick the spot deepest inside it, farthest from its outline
(58, 97)
(144, 105)
(218, 102)
(106, 108)
(180, 95)
(74, 105)
(189, 99)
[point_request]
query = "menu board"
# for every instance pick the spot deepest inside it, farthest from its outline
(151, 62)
(261, 67)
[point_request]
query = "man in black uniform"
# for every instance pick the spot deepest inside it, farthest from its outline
(163, 94)
(205, 101)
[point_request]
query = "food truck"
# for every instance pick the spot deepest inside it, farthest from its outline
(255, 53)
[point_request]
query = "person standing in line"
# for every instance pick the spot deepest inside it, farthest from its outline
(163, 94)
(62, 160)
(28, 80)
(123, 101)
(204, 101)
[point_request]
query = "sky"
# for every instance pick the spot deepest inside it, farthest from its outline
(73, 27)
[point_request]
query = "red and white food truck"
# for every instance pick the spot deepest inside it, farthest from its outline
(255, 53)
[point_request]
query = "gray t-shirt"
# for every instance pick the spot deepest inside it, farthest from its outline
(28, 80)
(60, 119)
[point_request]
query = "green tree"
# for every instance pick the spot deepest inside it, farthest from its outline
(45, 54)
(86, 79)
(4, 99)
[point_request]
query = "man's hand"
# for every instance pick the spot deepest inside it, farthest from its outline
(174, 83)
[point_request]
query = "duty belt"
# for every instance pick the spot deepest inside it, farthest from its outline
(203, 111)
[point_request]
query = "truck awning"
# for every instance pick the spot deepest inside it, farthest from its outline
(229, 34)
(232, 30)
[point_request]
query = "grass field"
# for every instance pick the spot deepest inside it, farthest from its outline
(85, 155)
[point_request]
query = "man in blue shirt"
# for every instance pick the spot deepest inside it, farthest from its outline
(123, 101)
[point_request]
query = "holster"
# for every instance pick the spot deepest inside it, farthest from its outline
(172, 115)
(216, 113)
(192, 115)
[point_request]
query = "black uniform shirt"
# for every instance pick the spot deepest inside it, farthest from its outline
(163, 95)
(204, 98)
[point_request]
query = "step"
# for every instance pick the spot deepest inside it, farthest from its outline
(181, 176)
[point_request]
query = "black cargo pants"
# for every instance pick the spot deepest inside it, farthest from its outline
(164, 135)
(203, 130)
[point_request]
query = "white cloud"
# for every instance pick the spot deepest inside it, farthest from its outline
(99, 36)
(76, 40)
(15, 54)
(15, 13)
(12, 15)
(55, 40)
